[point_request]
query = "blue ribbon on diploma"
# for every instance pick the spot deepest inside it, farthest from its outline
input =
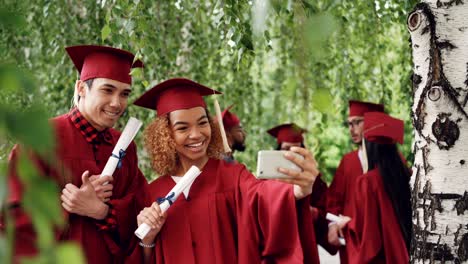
(119, 157)
(168, 198)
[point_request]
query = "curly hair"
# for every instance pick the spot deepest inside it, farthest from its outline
(161, 146)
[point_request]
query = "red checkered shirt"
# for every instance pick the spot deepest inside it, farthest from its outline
(93, 136)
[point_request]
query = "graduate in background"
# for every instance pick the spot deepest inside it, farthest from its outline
(381, 229)
(291, 135)
(235, 133)
(100, 218)
(226, 215)
(341, 189)
(287, 136)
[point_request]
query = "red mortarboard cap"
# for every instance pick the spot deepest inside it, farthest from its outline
(93, 61)
(287, 133)
(382, 128)
(358, 108)
(230, 119)
(174, 94)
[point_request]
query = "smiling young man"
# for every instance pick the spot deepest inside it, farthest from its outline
(341, 189)
(100, 217)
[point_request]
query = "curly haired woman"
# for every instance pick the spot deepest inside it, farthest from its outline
(226, 215)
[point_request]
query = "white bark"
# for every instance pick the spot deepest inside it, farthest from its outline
(439, 37)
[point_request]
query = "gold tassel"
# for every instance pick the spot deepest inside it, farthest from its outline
(226, 147)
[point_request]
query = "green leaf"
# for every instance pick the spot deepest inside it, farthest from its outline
(14, 80)
(45, 202)
(3, 247)
(239, 54)
(11, 20)
(41, 194)
(108, 16)
(3, 182)
(43, 205)
(322, 100)
(105, 32)
(267, 35)
(27, 172)
(31, 127)
(319, 28)
(69, 253)
(136, 72)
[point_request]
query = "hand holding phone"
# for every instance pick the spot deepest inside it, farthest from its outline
(269, 161)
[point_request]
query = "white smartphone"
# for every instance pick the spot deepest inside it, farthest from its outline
(269, 161)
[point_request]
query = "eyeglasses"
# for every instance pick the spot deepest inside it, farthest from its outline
(353, 123)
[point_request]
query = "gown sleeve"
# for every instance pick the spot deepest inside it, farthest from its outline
(283, 225)
(365, 229)
(337, 190)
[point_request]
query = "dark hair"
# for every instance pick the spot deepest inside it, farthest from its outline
(76, 96)
(89, 82)
(395, 176)
(278, 147)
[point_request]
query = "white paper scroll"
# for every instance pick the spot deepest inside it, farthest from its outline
(186, 181)
(128, 134)
(336, 219)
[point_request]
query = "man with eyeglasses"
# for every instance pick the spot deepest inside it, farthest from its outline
(340, 190)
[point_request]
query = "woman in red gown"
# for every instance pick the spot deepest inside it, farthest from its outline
(226, 215)
(381, 229)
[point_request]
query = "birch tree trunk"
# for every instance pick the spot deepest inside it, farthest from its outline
(439, 39)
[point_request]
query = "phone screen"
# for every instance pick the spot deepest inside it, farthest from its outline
(269, 161)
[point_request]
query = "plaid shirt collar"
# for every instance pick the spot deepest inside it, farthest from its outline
(91, 134)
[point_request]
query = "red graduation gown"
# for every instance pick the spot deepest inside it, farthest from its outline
(340, 192)
(374, 235)
(75, 155)
(231, 217)
(318, 201)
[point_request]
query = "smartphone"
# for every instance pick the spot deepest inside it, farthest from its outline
(269, 161)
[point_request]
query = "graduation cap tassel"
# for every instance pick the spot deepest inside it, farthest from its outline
(365, 162)
(226, 147)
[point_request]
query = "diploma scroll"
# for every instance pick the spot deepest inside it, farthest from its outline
(332, 218)
(128, 134)
(336, 219)
(171, 197)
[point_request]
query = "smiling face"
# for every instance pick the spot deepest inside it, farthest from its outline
(191, 131)
(104, 102)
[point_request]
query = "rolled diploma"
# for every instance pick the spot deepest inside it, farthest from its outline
(128, 134)
(333, 218)
(186, 180)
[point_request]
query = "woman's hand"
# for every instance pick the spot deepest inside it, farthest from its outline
(335, 230)
(303, 181)
(153, 217)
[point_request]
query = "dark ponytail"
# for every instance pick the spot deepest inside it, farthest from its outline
(395, 176)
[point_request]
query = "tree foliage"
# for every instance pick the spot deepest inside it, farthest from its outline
(276, 61)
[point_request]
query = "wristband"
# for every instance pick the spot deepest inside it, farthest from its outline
(146, 245)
